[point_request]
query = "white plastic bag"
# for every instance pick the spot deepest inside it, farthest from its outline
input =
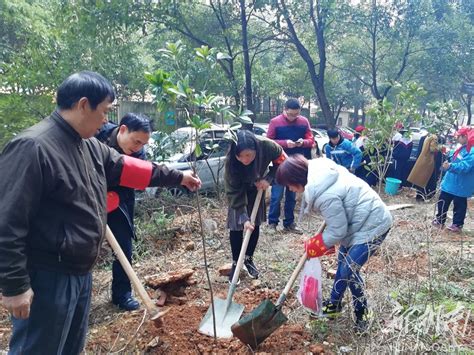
(310, 291)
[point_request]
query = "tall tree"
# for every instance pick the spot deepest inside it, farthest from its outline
(289, 21)
(381, 39)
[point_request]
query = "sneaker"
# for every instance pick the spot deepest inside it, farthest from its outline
(272, 228)
(128, 304)
(454, 228)
(331, 310)
(361, 324)
(250, 267)
(437, 224)
(293, 228)
(231, 275)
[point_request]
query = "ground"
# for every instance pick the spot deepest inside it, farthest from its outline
(418, 288)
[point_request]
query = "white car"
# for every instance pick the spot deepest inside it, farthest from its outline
(321, 138)
(210, 163)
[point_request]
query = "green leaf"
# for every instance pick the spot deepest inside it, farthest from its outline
(198, 150)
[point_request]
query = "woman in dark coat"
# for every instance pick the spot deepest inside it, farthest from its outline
(246, 171)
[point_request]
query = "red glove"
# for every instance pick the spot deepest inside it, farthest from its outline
(315, 247)
(113, 201)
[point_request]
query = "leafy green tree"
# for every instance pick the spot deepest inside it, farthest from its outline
(383, 116)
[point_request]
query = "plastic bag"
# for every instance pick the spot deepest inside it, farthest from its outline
(310, 292)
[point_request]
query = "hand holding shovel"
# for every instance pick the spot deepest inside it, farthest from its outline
(228, 312)
(255, 327)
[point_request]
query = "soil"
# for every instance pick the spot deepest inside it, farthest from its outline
(111, 330)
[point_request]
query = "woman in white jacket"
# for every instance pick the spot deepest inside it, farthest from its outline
(356, 219)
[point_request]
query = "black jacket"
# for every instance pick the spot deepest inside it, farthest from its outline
(108, 135)
(53, 207)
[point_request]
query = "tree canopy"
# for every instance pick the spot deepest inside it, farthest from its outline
(339, 54)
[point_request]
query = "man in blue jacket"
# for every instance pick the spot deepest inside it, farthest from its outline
(342, 151)
(458, 182)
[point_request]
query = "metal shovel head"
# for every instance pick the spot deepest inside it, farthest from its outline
(225, 317)
(256, 326)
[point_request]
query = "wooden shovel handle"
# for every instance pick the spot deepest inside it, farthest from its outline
(296, 271)
(149, 305)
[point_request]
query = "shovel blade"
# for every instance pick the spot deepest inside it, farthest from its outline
(256, 326)
(225, 317)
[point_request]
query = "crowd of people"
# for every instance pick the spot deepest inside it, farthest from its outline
(68, 176)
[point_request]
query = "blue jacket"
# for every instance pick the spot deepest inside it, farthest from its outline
(344, 153)
(459, 178)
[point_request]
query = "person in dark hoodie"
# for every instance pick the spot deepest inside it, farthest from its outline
(402, 147)
(129, 138)
(342, 151)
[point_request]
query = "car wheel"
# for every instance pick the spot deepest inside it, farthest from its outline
(173, 191)
(323, 151)
(177, 191)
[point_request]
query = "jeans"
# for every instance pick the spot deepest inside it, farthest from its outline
(350, 261)
(290, 202)
(59, 315)
(459, 208)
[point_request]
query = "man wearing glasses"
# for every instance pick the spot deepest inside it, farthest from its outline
(291, 131)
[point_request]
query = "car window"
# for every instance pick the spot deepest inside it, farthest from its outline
(221, 150)
(206, 135)
(219, 134)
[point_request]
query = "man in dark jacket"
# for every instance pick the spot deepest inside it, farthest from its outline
(129, 137)
(53, 207)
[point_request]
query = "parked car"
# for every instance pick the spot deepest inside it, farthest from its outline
(346, 132)
(320, 138)
(209, 164)
(260, 129)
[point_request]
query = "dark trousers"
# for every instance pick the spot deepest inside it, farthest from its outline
(459, 208)
(58, 317)
(236, 239)
(275, 201)
(350, 261)
(121, 287)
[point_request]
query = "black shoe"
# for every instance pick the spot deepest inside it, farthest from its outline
(128, 304)
(250, 267)
(231, 275)
(361, 324)
(293, 228)
(331, 310)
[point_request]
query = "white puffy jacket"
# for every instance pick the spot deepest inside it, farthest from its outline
(354, 213)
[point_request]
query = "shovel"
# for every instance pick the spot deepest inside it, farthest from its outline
(151, 308)
(228, 312)
(256, 326)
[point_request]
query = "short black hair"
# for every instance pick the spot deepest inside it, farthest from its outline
(87, 84)
(333, 133)
(292, 104)
(137, 122)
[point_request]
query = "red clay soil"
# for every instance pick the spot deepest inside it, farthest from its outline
(178, 334)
